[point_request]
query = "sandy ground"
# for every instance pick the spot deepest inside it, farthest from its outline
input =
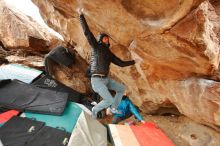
(181, 130)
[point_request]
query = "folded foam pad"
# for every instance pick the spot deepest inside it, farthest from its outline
(144, 135)
(26, 132)
(61, 55)
(47, 82)
(19, 72)
(66, 121)
(17, 131)
(18, 95)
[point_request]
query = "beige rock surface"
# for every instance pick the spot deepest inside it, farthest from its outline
(19, 31)
(185, 132)
(73, 76)
(177, 43)
(24, 41)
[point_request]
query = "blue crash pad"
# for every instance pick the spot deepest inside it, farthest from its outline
(19, 72)
(66, 121)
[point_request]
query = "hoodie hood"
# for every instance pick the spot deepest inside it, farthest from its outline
(101, 35)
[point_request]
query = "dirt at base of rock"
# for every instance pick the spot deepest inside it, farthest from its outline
(181, 130)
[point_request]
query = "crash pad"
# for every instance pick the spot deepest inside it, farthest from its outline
(26, 97)
(19, 72)
(147, 134)
(66, 121)
(85, 131)
(4, 117)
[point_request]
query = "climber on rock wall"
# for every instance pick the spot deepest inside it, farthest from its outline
(101, 58)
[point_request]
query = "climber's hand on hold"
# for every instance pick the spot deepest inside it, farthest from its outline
(80, 11)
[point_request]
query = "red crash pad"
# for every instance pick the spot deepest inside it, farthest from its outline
(4, 117)
(149, 135)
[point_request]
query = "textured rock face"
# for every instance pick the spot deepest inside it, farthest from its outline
(196, 98)
(22, 32)
(74, 76)
(24, 41)
(176, 42)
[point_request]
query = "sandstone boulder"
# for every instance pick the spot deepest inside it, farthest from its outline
(22, 32)
(176, 43)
